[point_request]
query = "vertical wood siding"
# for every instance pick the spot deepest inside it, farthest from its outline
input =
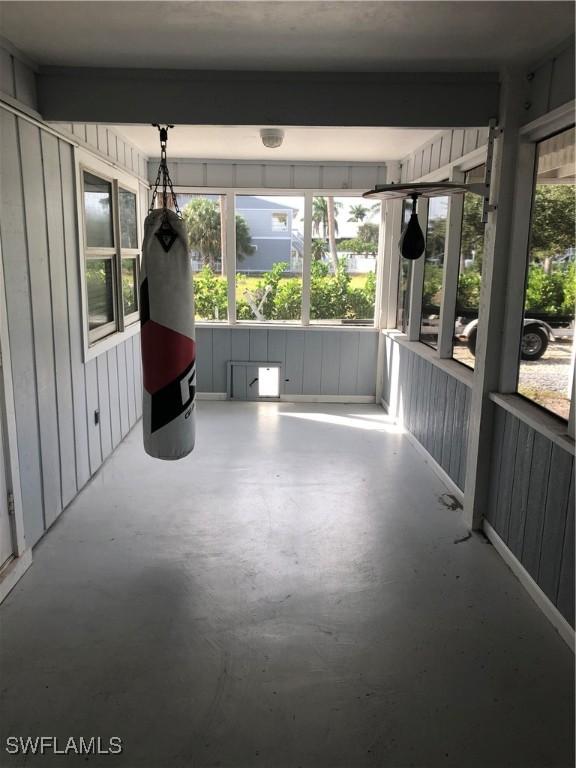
(198, 173)
(17, 79)
(314, 362)
(56, 395)
(531, 506)
(431, 404)
(446, 147)
(551, 84)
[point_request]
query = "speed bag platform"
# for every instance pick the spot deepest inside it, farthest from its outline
(167, 338)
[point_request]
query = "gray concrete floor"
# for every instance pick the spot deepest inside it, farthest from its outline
(292, 594)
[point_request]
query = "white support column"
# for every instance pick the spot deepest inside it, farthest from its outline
(230, 248)
(387, 253)
(417, 279)
(307, 257)
(492, 300)
(451, 270)
(395, 230)
(517, 265)
(381, 269)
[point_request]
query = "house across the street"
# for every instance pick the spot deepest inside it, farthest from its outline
(271, 230)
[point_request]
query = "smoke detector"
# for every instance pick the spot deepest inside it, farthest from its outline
(272, 137)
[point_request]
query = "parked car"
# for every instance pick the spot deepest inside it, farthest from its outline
(535, 337)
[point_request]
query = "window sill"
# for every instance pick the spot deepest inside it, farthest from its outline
(453, 368)
(109, 342)
(283, 326)
(545, 424)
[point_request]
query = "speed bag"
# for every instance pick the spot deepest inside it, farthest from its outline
(167, 338)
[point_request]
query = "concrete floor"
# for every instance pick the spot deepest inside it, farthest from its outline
(292, 594)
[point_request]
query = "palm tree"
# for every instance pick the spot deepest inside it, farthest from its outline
(358, 212)
(319, 216)
(325, 215)
(374, 208)
(203, 221)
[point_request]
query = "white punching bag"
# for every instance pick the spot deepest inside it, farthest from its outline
(167, 338)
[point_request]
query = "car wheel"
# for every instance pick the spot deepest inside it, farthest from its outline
(534, 343)
(471, 342)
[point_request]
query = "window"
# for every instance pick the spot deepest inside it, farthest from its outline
(269, 257)
(267, 284)
(433, 270)
(203, 217)
(404, 275)
(279, 222)
(111, 254)
(127, 204)
(547, 345)
(344, 250)
(469, 273)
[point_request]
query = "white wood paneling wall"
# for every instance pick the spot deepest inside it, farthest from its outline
(446, 148)
(17, 77)
(550, 84)
(315, 361)
(217, 174)
(56, 394)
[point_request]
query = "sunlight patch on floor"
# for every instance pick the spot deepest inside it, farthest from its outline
(356, 421)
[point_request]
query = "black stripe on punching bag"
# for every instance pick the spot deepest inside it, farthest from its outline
(173, 399)
(144, 302)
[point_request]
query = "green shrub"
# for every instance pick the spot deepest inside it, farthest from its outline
(288, 300)
(210, 295)
(332, 297)
(432, 286)
(551, 292)
(469, 289)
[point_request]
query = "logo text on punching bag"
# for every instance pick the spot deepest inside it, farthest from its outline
(188, 386)
(173, 399)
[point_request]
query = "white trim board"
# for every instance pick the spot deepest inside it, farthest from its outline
(435, 467)
(13, 572)
(542, 601)
(327, 398)
(428, 458)
(449, 365)
(284, 326)
(537, 418)
(294, 398)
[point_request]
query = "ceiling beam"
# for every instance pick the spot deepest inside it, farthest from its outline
(403, 100)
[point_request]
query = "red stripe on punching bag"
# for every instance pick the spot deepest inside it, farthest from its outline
(165, 355)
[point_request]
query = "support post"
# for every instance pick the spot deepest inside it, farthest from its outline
(489, 343)
(230, 247)
(307, 258)
(451, 270)
(388, 253)
(386, 267)
(417, 278)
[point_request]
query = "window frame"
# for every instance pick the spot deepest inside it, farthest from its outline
(455, 172)
(123, 326)
(228, 195)
(449, 220)
(129, 253)
(279, 213)
(529, 135)
(530, 139)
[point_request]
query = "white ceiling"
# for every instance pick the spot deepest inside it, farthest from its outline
(356, 35)
(242, 142)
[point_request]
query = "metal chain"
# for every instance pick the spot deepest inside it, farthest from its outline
(163, 176)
